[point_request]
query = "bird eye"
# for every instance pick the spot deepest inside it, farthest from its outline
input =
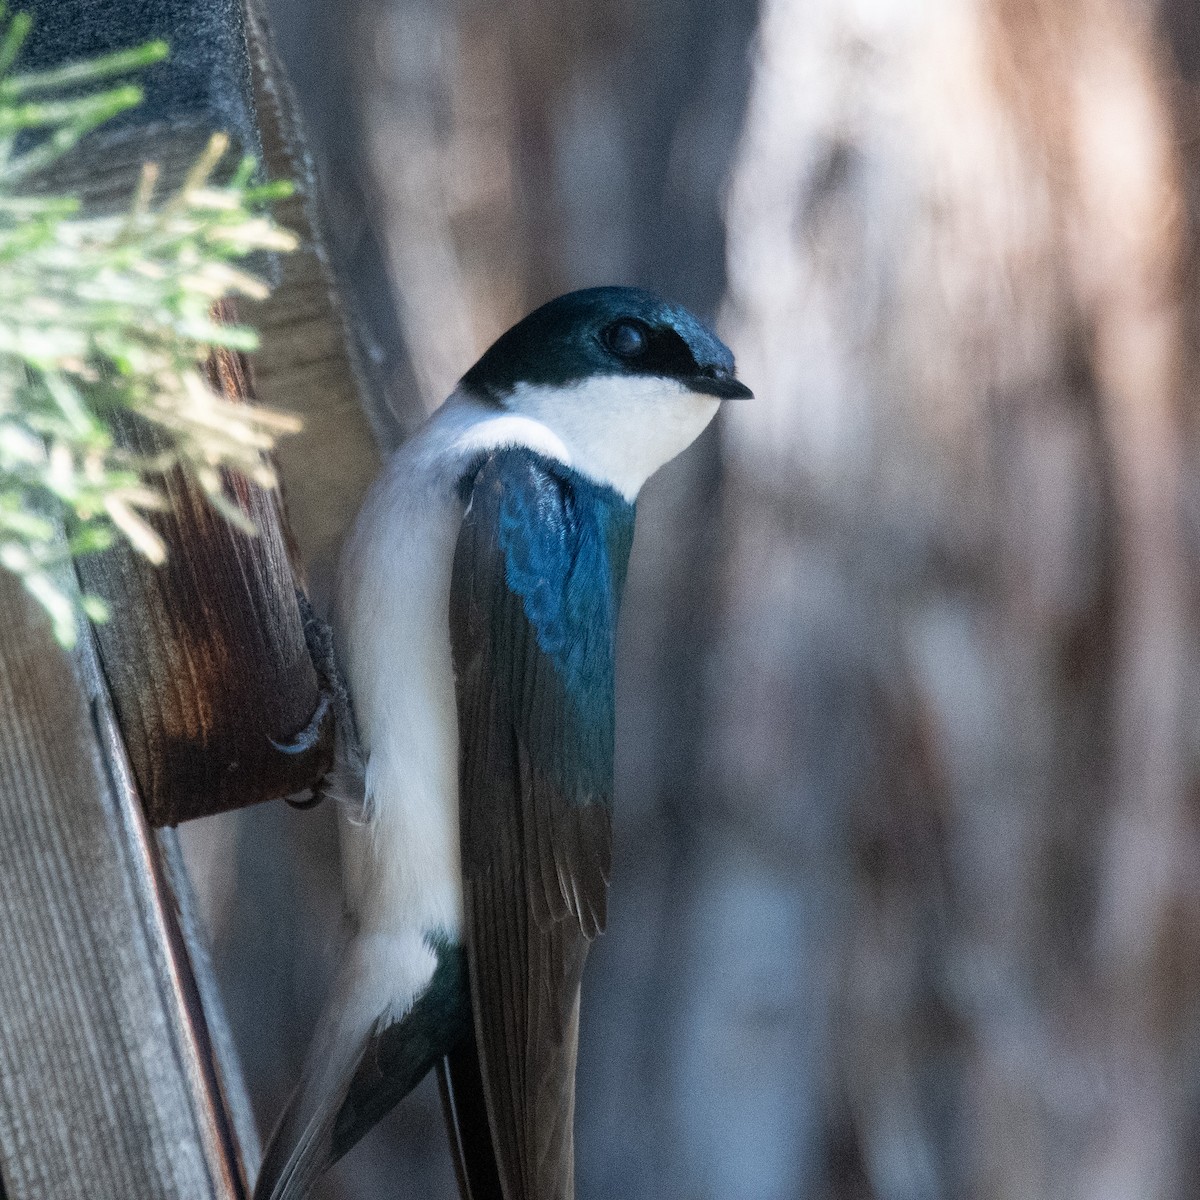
(626, 339)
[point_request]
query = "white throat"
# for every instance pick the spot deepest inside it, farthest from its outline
(619, 429)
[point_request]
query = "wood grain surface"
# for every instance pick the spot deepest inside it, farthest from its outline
(205, 655)
(105, 1091)
(311, 360)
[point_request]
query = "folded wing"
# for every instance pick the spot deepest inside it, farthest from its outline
(538, 572)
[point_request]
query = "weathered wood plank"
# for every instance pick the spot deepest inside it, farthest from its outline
(205, 655)
(104, 1088)
(311, 360)
(207, 1013)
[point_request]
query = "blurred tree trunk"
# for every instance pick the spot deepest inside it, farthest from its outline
(962, 280)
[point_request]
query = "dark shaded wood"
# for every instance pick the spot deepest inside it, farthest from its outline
(203, 83)
(205, 655)
(105, 1086)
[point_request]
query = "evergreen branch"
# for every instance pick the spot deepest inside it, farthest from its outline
(109, 314)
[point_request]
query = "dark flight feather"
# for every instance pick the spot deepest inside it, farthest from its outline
(399, 1055)
(465, 1108)
(538, 571)
(370, 1077)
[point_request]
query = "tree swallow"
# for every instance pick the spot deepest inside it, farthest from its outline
(474, 627)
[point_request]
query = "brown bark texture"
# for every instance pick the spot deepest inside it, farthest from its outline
(907, 881)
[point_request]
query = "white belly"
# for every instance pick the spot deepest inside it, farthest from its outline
(400, 859)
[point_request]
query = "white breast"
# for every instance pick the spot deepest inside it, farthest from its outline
(391, 627)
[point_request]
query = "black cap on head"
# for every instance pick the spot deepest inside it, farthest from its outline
(606, 331)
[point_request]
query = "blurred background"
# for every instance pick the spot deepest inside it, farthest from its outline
(906, 901)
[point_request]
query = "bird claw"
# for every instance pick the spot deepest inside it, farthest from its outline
(334, 701)
(310, 735)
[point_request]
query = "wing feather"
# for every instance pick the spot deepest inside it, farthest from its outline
(362, 1063)
(538, 568)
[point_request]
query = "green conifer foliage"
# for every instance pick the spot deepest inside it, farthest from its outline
(101, 314)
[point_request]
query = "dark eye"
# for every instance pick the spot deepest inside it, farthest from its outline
(626, 339)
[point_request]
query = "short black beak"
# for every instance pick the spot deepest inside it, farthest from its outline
(723, 386)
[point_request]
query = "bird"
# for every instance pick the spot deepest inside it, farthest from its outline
(474, 630)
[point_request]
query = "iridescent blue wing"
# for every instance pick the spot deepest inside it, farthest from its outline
(538, 572)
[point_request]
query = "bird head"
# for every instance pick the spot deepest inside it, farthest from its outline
(623, 378)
